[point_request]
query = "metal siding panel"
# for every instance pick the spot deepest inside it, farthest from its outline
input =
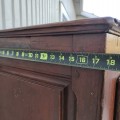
(37, 11)
(20, 3)
(48, 16)
(44, 11)
(29, 12)
(26, 12)
(8, 14)
(1, 22)
(23, 12)
(34, 11)
(45, 8)
(3, 14)
(13, 14)
(51, 10)
(17, 13)
(41, 11)
(57, 10)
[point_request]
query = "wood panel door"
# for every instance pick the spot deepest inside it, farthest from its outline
(33, 96)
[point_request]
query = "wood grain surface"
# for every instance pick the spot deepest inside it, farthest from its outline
(117, 102)
(39, 91)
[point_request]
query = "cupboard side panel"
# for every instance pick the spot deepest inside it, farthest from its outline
(87, 84)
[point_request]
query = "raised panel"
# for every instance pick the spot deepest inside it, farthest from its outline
(23, 98)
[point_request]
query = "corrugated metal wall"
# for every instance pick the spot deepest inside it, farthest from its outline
(18, 13)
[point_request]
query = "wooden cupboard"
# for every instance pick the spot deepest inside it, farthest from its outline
(39, 91)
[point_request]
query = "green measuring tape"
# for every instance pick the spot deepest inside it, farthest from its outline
(97, 61)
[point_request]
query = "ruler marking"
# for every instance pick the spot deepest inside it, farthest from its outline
(99, 61)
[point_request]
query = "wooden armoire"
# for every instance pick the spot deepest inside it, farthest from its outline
(42, 91)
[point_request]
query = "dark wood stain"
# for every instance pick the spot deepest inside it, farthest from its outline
(117, 103)
(39, 91)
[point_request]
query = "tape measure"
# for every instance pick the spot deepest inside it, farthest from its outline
(99, 61)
